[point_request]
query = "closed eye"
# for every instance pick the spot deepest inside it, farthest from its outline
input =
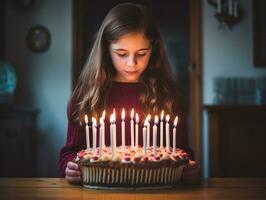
(122, 54)
(140, 54)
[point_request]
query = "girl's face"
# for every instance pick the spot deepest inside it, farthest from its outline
(130, 55)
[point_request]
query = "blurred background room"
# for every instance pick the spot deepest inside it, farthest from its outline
(217, 49)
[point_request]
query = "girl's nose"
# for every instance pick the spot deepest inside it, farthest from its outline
(131, 62)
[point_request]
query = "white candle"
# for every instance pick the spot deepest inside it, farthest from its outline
(230, 7)
(101, 138)
(156, 119)
(87, 132)
(235, 9)
(161, 130)
(132, 127)
(219, 7)
(167, 133)
(123, 128)
(145, 137)
(94, 133)
(103, 130)
(137, 132)
(111, 136)
(174, 135)
(114, 127)
(148, 130)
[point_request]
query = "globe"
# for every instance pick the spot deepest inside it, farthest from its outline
(8, 81)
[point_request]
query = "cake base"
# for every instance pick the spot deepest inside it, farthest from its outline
(165, 187)
(131, 178)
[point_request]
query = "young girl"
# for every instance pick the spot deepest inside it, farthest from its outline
(127, 68)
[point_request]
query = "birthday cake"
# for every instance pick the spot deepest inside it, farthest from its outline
(129, 168)
(134, 166)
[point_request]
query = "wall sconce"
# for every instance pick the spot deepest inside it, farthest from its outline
(227, 12)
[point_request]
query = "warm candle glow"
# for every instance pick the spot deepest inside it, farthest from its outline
(167, 118)
(94, 121)
(175, 121)
(146, 122)
(149, 117)
(162, 115)
(137, 118)
(101, 121)
(114, 115)
(132, 114)
(86, 119)
(156, 119)
(123, 114)
(103, 115)
(112, 119)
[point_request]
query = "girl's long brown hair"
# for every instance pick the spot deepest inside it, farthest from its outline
(160, 91)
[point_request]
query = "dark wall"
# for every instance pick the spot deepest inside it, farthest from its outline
(2, 29)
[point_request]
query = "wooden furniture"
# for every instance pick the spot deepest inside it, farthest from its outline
(17, 139)
(55, 188)
(237, 140)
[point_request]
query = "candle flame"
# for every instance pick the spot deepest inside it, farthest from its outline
(149, 117)
(114, 115)
(132, 114)
(137, 118)
(86, 119)
(94, 121)
(101, 120)
(167, 118)
(112, 119)
(123, 114)
(146, 122)
(176, 120)
(103, 115)
(156, 119)
(162, 115)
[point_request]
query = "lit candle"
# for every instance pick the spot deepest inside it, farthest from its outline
(111, 136)
(132, 127)
(174, 134)
(219, 8)
(101, 137)
(114, 127)
(161, 130)
(230, 7)
(87, 132)
(145, 137)
(103, 129)
(94, 134)
(148, 130)
(137, 132)
(167, 133)
(123, 128)
(156, 119)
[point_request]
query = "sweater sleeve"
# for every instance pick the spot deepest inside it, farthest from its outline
(74, 143)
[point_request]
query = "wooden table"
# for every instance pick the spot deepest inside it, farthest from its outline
(56, 188)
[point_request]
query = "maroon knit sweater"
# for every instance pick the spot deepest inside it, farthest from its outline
(120, 95)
